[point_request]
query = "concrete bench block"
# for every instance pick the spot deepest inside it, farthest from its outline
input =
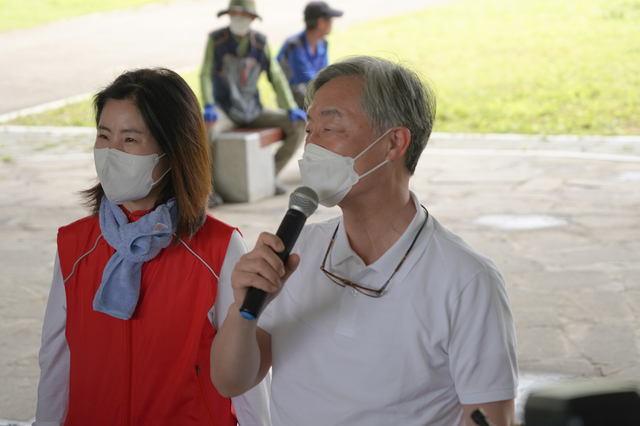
(245, 168)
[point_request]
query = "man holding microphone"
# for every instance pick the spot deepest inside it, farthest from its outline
(381, 315)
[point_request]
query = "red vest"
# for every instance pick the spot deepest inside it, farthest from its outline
(152, 369)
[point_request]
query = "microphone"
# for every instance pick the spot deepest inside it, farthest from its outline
(480, 418)
(302, 203)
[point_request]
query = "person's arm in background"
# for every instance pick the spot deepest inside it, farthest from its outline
(283, 60)
(302, 70)
(206, 85)
(281, 87)
(54, 358)
(325, 61)
(299, 90)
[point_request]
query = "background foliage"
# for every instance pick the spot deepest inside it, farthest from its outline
(28, 13)
(501, 66)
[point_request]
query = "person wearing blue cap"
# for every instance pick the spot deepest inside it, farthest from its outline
(235, 57)
(303, 55)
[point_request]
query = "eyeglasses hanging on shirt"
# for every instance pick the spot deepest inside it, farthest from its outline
(342, 282)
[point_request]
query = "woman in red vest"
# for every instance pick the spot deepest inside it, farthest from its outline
(141, 285)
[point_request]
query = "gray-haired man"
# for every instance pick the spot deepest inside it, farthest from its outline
(386, 316)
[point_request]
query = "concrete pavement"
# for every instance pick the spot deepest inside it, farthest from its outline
(563, 225)
(560, 216)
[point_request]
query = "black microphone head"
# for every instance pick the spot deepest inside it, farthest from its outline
(304, 199)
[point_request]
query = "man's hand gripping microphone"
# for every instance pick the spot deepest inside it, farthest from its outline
(302, 203)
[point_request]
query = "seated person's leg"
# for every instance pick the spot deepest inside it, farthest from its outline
(293, 135)
(222, 124)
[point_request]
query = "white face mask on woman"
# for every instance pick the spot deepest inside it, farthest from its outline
(125, 177)
(329, 174)
(240, 25)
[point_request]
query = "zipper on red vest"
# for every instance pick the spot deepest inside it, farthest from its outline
(129, 355)
(205, 400)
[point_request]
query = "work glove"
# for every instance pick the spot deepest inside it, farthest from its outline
(296, 114)
(210, 114)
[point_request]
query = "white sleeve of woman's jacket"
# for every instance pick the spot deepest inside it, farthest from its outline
(53, 389)
(252, 408)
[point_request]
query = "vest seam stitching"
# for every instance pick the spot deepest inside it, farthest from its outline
(199, 258)
(80, 258)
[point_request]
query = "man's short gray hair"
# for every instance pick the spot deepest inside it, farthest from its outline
(393, 96)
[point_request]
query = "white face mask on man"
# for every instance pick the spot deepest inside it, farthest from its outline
(125, 177)
(239, 25)
(329, 174)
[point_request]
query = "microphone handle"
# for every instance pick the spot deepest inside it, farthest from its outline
(289, 230)
(480, 418)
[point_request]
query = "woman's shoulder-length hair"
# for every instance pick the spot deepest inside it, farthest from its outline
(171, 112)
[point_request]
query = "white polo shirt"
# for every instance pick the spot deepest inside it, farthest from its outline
(441, 335)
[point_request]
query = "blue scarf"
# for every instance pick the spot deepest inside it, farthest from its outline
(135, 243)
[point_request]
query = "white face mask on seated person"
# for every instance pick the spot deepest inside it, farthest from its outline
(239, 25)
(125, 177)
(329, 174)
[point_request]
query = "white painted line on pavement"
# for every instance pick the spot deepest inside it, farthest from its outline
(430, 150)
(37, 109)
(533, 153)
(43, 158)
(517, 137)
(42, 108)
(48, 129)
(520, 222)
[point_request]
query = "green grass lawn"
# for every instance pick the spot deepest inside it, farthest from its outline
(521, 66)
(28, 13)
(509, 66)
